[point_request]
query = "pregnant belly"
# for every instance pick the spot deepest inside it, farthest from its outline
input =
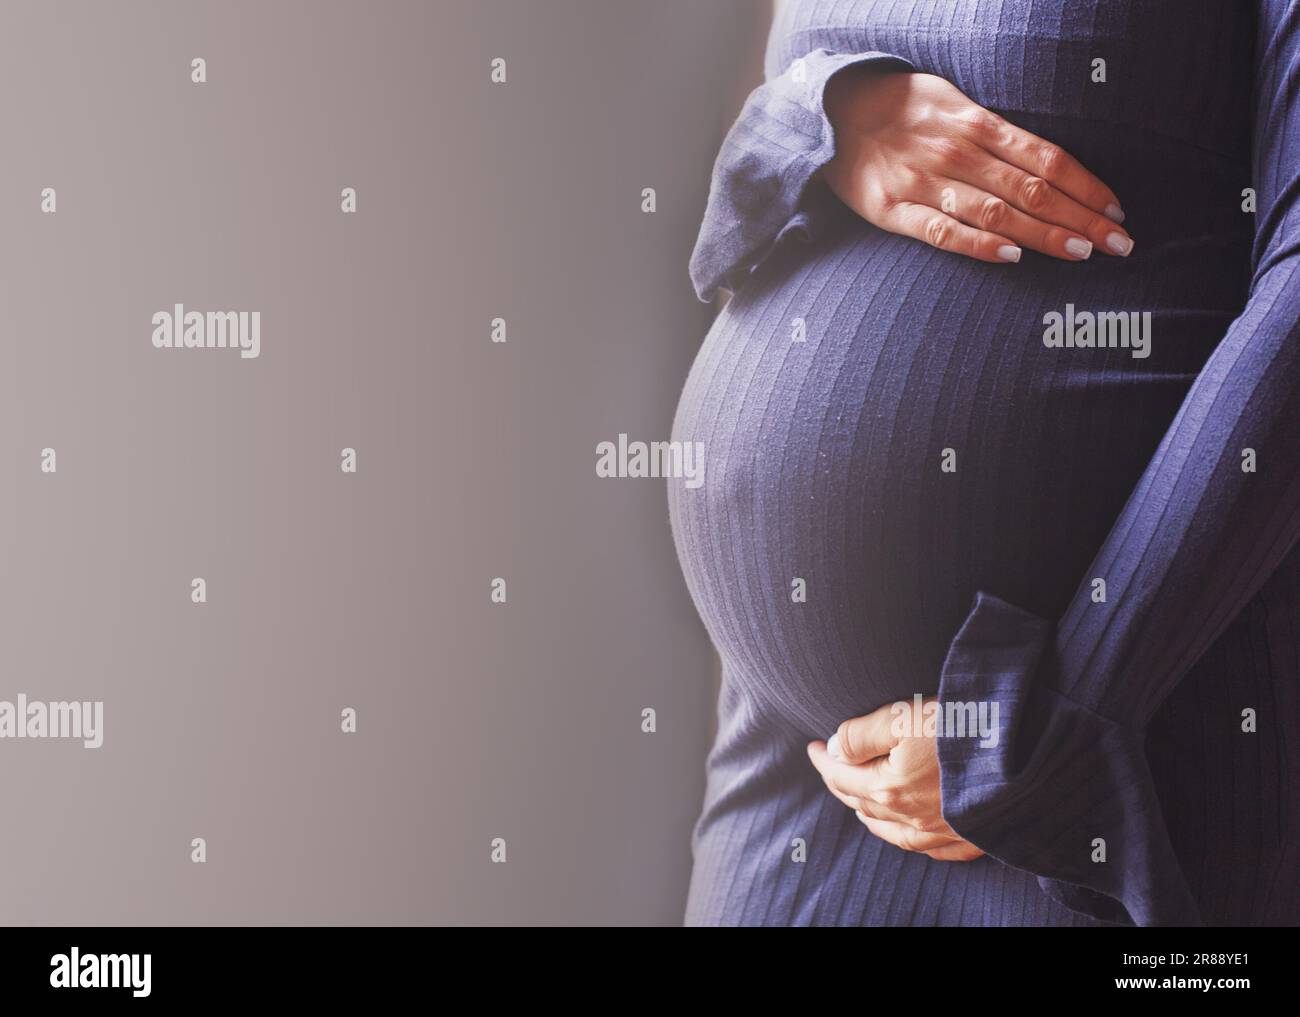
(885, 432)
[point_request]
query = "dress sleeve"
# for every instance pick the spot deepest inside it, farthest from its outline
(1196, 540)
(762, 173)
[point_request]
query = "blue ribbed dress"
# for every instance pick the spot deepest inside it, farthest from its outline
(1154, 714)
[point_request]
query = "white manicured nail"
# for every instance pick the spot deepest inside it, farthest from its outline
(1119, 243)
(1114, 213)
(1008, 253)
(1077, 248)
(833, 747)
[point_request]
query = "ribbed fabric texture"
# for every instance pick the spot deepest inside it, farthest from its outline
(851, 364)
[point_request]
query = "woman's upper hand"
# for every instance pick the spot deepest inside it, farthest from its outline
(916, 157)
(891, 781)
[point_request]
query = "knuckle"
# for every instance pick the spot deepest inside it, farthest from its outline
(880, 200)
(1034, 194)
(1051, 159)
(1097, 226)
(887, 200)
(937, 232)
(901, 185)
(980, 122)
(925, 114)
(992, 213)
(846, 733)
(909, 179)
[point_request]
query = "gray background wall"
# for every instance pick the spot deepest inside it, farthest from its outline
(475, 460)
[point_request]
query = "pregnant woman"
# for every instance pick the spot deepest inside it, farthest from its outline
(969, 437)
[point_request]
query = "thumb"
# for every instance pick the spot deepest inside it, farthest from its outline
(862, 738)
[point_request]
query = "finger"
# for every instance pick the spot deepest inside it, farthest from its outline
(859, 739)
(904, 837)
(979, 208)
(859, 780)
(1040, 157)
(1039, 199)
(824, 764)
(937, 229)
(841, 779)
(963, 851)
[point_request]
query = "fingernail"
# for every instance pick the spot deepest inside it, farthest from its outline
(833, 747)
(1078, 248)
(1119, 243)
(1008, 253)
(1114, 213)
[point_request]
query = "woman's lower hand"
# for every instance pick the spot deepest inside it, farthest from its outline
(916, 157)
(892, 782)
